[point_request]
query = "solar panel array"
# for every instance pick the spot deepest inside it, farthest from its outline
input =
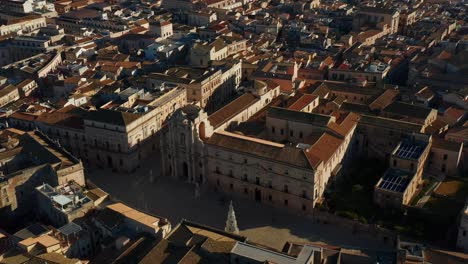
(394, 181)
(406, 151)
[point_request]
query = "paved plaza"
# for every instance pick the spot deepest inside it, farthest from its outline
(176, 200)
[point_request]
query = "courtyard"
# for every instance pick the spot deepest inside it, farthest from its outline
(160, 195)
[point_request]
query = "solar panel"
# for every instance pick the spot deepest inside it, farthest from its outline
(395, 181)
(407, 151)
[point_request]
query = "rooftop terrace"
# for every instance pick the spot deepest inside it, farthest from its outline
(65, 198)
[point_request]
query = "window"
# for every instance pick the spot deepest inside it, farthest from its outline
(445, 156)
(286, 202)
(231, 186)
(291, 133)
(246, 191)
(286, 190)
(282, 131)
(304, 194)
(270, 198)
(443, 168)
(273, 129)
(217, 169)
(304, 207)
(245, 177)
(270, 184)
(257, 180)
(300, 134)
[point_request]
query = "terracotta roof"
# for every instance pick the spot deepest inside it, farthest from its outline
(128, 64)
(193, 243)
(323, 149)
(351, 88)
(110, 68)
(425, 93)
(405, 109)
(354, 107)
(271, 84)
(23, 116)
(458, 133)
(390, 123)
(69, 116)
(446, 144)
(300, 117)
(438, 126)
(383, 100)
(454, 114)
(111, 117)
(444, 55)
(232, 109)
(345, 125)
(45, 240)
(260, 148)
(145, 219)
(302, 102)
(53, 257)
(72, 80)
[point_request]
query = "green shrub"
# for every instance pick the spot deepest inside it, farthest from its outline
(348, 214)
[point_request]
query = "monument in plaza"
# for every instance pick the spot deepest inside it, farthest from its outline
(231, 222)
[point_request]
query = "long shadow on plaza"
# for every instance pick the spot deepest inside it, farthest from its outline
(262, 223)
